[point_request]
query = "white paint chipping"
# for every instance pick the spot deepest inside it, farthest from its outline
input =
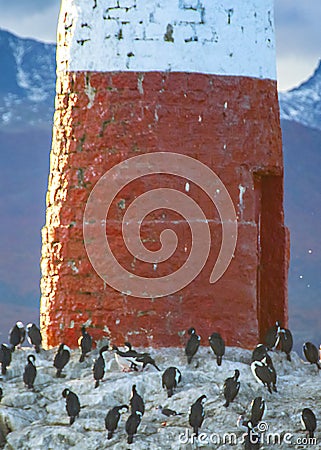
(90, 92)
(242, 190)
(187, 186)
(168, 35)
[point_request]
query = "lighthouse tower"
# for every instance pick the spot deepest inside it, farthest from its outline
(166, 159)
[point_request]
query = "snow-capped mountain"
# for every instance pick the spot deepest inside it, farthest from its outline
(27, 81)
(303, 103)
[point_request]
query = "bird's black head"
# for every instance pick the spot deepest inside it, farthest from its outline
(65, 392)
(257, 399)
(191, 331)
(123, 408)
(236, 374)
(215, 336)
(31, 359)
(261, 346)
(201, 399)
(128, 345)
(103, 349)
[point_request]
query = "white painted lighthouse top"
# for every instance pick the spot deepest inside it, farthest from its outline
(223, 37)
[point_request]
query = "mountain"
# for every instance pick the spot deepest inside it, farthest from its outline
(303, 104)
(300, 112)
(27, 82)
(27, 90)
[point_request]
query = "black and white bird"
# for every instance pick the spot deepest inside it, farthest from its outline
(5, 358)
(126, 358)
(309, 421)
(272, 336)
(17, 335)
(72, 404)
(61, 359)
(197, 414)
(34, 336)
(84, 343)
(311, 353)
(129, 348)
(132, 424)
(144, 359)
(167, 411)
(136, 402)
(218, 346)
(268, 361)
(99, 367)
(130, 360)
(170, 379)
(192, 344)
(112, 419)
(259, 353)
(286, 342)
(231, 388)
(252, 438)
(258, 410)
(264, 372)
(30, 372)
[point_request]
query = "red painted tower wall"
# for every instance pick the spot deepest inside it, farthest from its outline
(229, 123)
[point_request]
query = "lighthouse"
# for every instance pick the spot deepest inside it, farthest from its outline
(165, 192)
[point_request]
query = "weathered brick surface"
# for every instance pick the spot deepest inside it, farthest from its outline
(230, 124)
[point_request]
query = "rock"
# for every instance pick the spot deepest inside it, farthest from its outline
(38, 420)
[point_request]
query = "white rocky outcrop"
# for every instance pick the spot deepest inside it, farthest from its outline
(38, 420)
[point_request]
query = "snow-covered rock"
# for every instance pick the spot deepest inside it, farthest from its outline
(38, 420)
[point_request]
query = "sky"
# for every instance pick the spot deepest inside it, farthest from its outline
(297, 25)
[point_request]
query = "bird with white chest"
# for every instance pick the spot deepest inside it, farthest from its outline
(30, 372)
(17, 335)
(192, 344)
(170, 379)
